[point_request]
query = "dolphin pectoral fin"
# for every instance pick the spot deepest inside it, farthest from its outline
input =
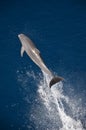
(22, 51)
(55, 80)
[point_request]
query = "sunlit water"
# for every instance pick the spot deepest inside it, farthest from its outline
(50, 109)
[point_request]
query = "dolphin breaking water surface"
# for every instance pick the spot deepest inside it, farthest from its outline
(31, 50)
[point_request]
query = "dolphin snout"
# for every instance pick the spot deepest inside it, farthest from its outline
(21, 35)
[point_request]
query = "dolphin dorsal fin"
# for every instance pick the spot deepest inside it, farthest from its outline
(22, 51)
(37, 51)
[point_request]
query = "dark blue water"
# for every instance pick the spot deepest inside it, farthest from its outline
(58, 29)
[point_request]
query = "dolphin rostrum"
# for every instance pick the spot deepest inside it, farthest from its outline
(34, 54)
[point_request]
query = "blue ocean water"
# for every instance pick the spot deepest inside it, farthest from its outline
(58, 28)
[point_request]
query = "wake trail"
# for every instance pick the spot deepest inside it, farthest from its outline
(50, 109)
(55, 97)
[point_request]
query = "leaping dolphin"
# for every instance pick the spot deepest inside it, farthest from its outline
(34, 54)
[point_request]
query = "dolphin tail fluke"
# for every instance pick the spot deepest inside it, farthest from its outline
(55, 80)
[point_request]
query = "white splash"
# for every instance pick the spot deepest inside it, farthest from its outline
(51, 109)
(55, 96)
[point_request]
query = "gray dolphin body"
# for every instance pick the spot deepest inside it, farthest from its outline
(31, 50)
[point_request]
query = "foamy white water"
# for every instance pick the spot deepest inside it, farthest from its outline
(51, 109)
(56, 96)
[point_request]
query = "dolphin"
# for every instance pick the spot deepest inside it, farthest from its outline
(31, 50)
